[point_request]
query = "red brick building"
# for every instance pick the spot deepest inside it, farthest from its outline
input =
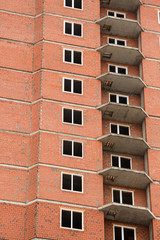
(80, 119)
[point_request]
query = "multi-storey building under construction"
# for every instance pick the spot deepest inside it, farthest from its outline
(80, 119)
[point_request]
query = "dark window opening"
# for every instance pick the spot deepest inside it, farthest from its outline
(77, 183)
(67, 115)
(77, 29)
(112, 40)
(77, 86)
(122, 100)
(67, 148)
(112, 68)
(113, 98)
(77, 57)
(77, 149)
(118, 233)
(121, 42)
(77, 117)
(113, 128)
(66, 182)
(125, 163)
(128, 234)
(122, 70)
(115, 162)
(127, 198)
(67, 85)
(68, 3)
(116, 196)
(77, 220)
(110, 13)
(66, 218)
(68, 57)
(120, 15)
(68, 28)
(78, 4)
(124, 130)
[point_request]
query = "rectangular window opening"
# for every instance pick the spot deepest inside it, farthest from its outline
(123, 233)
(67, 147)
(74, 57)
(124, 130)
(77, 149)
(71, 182)
(116, 98)
(72, 116)
(121, 162)
(71, 219)
(73, 4)
(122, 70)
(72, 86)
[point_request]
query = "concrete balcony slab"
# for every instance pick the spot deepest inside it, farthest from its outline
(120, 27)
(127, 213)
(120, 54)
(124, 144)
(121, 83)
(125, 177)
(124, 5)
(122, 112)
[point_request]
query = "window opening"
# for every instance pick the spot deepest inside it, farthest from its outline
(73, 29)
(121, 162)
(116, 98)
(123, 197)
(72, 182)
(72, 148)
(72, 56)
(71, 219)
(72, 116)
(73, 4)
(116, 14)
(119, 129)
(123, 233)
(72, 86)
(117, 69)
(117, 41)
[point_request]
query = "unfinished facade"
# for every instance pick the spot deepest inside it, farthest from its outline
(80, 120)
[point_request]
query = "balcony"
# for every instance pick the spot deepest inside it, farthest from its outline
(122, 112)
(127, 213)
(124, 5)
(120, 54)
(125, 177)
(121, 83)
(124, 144)
(120, 26)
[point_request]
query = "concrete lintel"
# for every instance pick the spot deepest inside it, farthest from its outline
(120, 26)
(127, 213)
(122, 112)
(122, 83)
(125, 177)
(124, 144)
(120, 54)
(124, 5)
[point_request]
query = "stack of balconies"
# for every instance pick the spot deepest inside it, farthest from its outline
(124, 145)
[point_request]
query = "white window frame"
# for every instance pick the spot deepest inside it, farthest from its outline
(73, 5)
(121, 190)
(72, 148)
(72, 83)
(117, 97)
(115, 14)
(72, 23)
(72, 219)
(71, 174)
(116, 39)
(159, 17)
(72, 116)
(119, 160)
(116, 67)
(72, 51)
(119, 125)
(122, 227)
